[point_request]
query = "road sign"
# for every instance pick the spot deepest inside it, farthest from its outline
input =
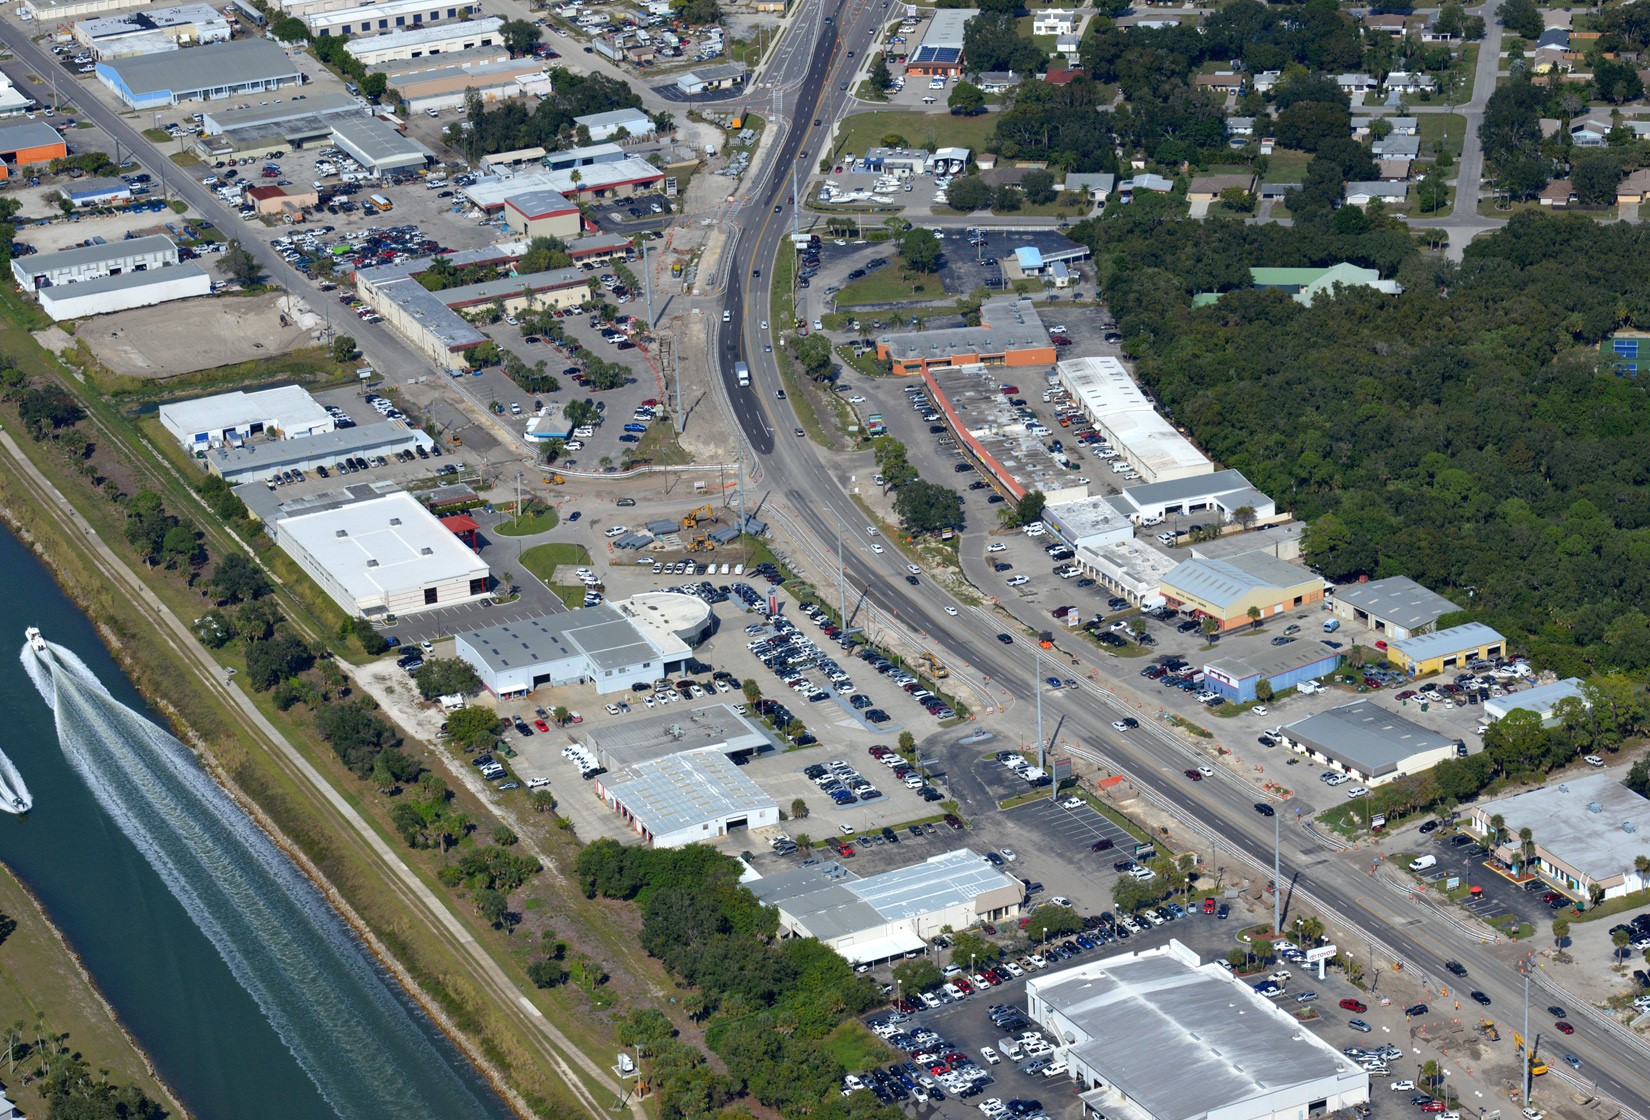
(1061, 770)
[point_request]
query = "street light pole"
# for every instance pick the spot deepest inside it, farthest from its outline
(1037, 687)
(1277, 873)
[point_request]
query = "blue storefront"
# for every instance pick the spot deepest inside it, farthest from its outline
(1282, 667)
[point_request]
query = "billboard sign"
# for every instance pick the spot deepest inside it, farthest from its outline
(1321, 953)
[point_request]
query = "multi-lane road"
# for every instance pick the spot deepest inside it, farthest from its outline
(1315, 875)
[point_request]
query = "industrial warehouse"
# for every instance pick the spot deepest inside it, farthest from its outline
(610, 646)
(1161, 1035)
(688, 797)
(894, 913)
(382, 557)
(209, 73)
(1369, 743)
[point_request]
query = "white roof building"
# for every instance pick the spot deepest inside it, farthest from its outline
(1109, 397)
(1587, 831)
(384, 556)
(1160, 1035)
(890, 914)
(604, 126)
(689, 797)
(1222, 491)
(109, 294)
(1541, 700)
(282, 413)
(422, 40)
(89, 262)
(1370, 743)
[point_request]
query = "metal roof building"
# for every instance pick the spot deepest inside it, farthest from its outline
(609, 646)
(423, 40)
(259, 460)
(1160, 1035)
(1224, 491)
(88, 262)
(385, 556)
(941, 49)
(108, 294)
(387, 15)
(285, 412)
(1446, 649)
(688, 797)
(202, 74)
(376, 145)
(289, 122)
(1368, 742)
(1541, 700)
(645, 736)
(893, 913)
(1120, 411)
(1587, 831)
(1225, 590)
(1237, 676)
(604, 126)
(1011, 333)
(1397, 606)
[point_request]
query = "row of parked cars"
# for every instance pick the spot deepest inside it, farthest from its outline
(935, 1068)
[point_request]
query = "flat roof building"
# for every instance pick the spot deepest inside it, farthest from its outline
(1226, 590)
(260, 460)
(389, 15)
(108, 294)
(1588, 832)
(1368, 742)
(209, 73)
(941, 49)
(706, 79)
(418, 42)
(1542, 700)
(1224, 492)
(605, 126)
(542, 213)
(1446, 649)
(497, 80)
(1160, 1035)
(1396, 607)
(378, 146)
(1129, 568)
(621, 177)
(1108, 396)
(385, 556)
(88, 262)
(286, 412)
(1010, 334)
(648, 735)
(1088, 521)
(290, 122)
(152, 29)
(96, 192)
(609, 646)
(893, 913)
(1237, 676)
(689, 797)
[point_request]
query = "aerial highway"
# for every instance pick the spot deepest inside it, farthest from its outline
(1315, 875)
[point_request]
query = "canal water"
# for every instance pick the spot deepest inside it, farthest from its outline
(253, 1000)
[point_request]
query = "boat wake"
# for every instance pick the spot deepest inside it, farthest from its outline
(329, 1002)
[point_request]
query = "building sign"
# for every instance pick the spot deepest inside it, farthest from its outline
(670, 186)
(1216, 675)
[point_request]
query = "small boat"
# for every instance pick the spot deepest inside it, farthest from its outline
(36, 642)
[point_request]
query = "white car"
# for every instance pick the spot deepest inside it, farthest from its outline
(1261, 710)
(1206, 771)
(1010, 855)
(818, 326)
(612, 709)
(1404, 1086)
(573, 445)
(996, 546)
(856, 399)
(871, 530)
(913, 569)
(876, 548)
(1120, 725)
(764, 324)
(952, 611)
(1072, 803)
(1017, 581)
(1356, 791)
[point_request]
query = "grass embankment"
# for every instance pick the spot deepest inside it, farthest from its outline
(543, 560)
(311, 367)
(434, 962)
(40, 976)
(855, 1047)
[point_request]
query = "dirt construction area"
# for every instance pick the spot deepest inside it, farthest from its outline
(198, 334)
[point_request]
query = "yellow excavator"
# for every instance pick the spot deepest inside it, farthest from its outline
(694, 516)
(936, 668)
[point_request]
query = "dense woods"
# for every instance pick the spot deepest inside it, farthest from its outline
(1466, 434)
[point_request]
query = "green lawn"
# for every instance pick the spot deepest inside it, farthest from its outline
(855, 1047)
(922, 130)
(1285, 165)
(890, 285)
(543, 559)
(1451, 128)
(535, 521)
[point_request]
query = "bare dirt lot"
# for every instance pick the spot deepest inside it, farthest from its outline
(192, 335)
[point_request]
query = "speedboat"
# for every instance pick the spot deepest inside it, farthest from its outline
(36, 642)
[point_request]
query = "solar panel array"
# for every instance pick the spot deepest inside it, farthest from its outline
(937, 54)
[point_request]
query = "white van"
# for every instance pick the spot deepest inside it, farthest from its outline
(1422, 863)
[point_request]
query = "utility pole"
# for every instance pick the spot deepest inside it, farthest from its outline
(1524, 967)
(1277, 876)
(1037, 687)
(841, 572)
(647, 286)
(676, 365)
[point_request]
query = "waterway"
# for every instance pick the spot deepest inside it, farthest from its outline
(249, 995)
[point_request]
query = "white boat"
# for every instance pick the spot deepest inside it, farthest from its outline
(36, 642)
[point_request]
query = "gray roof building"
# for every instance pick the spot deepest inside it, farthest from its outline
(1396, 606)
(1587, 832)
(645, 736)
(688, 797)
(1159, 1035)
(1014, 325)
(596, 644)
(1369, 742)
(1225, 491)
(892, 913)
(88, 262)
(201, 73)
(1450, 645)
(376, 145)
(23, 135)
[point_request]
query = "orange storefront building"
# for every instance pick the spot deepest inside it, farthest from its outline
(28, 143)
(1010, 334)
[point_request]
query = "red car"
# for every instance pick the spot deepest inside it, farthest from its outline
(1208, 906)
(1564, 1027)
(1433, 1106)
(1353, 1006)
(541, 725)
(1194, 775)
(953, 821)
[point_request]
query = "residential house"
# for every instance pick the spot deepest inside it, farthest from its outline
(1394, 25)
(1272, 191)
(1068, 45)
(1635, 188)
(1098, 184)
(1061, 75)
(1208, 188)
(1407, 81)
(1590, 130)
(1240, 126)
(1266, 80)
(1356, 83)
(1396, 147)
(1557, 193)
(1146, 182)
(1222, 81)
(1403, 126)
(1556, 37)
(997, 81)
(1392, 170)
(1362, 194)
(1053, 21)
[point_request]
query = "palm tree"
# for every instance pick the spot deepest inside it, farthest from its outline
(1526, 847)
(1498, 826)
